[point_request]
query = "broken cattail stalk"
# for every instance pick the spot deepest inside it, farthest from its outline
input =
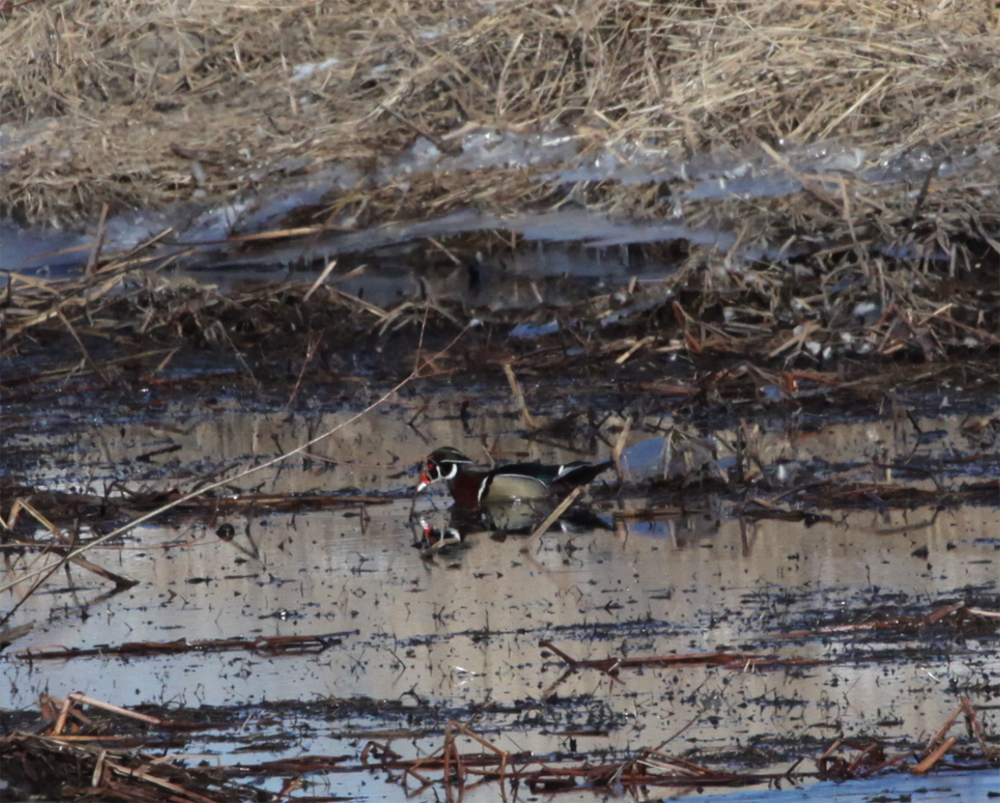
(891, 762)
(943, 730)
(934, 757)
(940, 613)
(515, 389)
(448, 748)
(96, 777)
(320, 280)
(552, 518)
(118, 741)
(864, 756)
(63, 713)
(645, 341)
(83, 699)
(972, 720)
(550, 646)
(180, 793)
(616, 453)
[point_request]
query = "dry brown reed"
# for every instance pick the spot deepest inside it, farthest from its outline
(136, 104)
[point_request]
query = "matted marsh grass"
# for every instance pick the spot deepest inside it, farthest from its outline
(706, 336)
(140, 105)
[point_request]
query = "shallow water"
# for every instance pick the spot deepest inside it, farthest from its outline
(458, 636)
(959, 786)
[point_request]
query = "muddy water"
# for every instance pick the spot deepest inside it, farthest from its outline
(457, 636)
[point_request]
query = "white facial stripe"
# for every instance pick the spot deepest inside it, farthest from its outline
(451, 474)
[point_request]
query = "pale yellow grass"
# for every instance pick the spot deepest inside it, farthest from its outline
(135, 104)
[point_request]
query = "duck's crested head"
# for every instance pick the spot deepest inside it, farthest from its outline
(448, 454)
(441, 464)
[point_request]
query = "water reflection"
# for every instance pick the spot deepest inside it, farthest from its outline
(644, 572)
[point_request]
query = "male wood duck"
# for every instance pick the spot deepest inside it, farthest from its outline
(472, 487)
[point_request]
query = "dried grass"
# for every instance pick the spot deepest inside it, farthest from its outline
(137, 104)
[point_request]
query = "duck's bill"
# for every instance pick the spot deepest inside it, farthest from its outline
(424, 482)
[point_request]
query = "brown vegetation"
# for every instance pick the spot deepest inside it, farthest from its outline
(76, 756)
(139, 105)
